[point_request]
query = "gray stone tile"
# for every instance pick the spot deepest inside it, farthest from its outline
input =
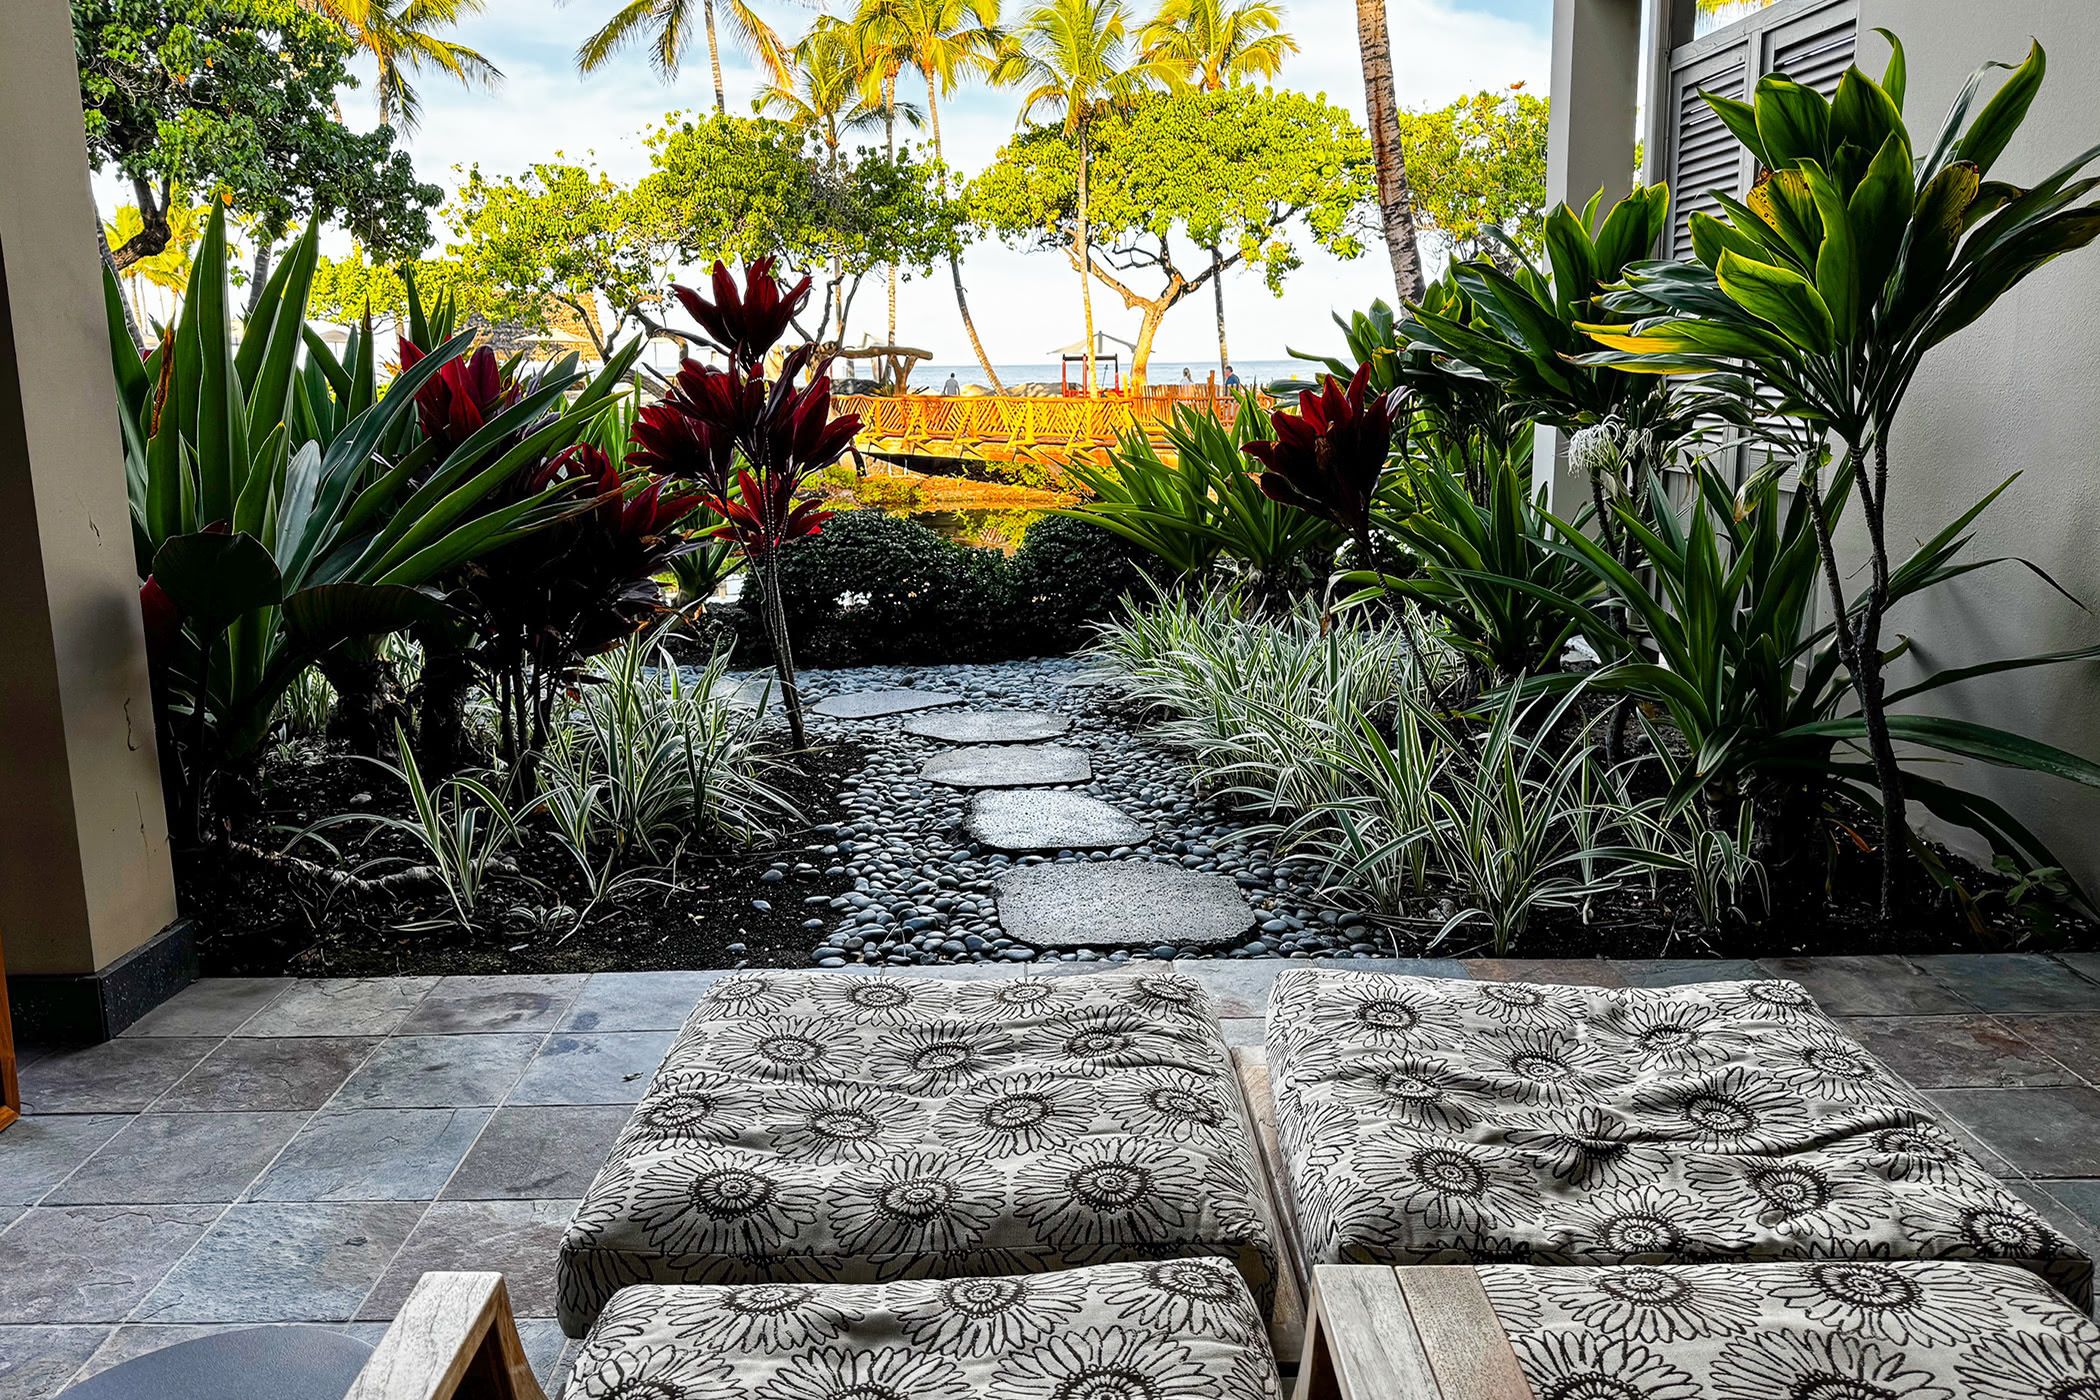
(555, 1379)
(2047, 1132)
(2085, 964)
(538, 1153)
(118, 1076)
(340, 1006)
(213, 1006)
(2012, 982)
(993, 766)
(465, 1005)
(1956, 1052)
(544, 1344)
(1243, 1030)
(637, 1001)
(1579, 972)
(1867, 986)
(874, 704)
(9, 1215)
(92, 1263)
(273, 1262)
(2073, 1040)
(989, 726)
(1119, 903)
(37, 1153)
(173, 1157)
(259, 1075)
(518, 1239)
(2081, 1197)
(439, 1071)
(36, 1362)
(1040, 819)
(1680, 972)
(593, 1067)
(372, 1154)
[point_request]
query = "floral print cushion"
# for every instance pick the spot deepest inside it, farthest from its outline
(1428, 1121)
(1901, 1330)
(818, 1127)
(1174, 1330)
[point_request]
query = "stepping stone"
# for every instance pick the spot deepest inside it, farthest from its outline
(1126, 903)
(1030, 819)
(989, 766)
(874, 704)
(988, 726)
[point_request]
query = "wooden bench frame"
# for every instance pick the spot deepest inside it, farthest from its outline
(1426, 1332)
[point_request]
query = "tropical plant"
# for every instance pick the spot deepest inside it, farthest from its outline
(748, 443)
(1508, 598)
(272, 520)
(1206, 504)
(1329, 458)
(1850, 261)
(821, 94)
(394, 33)
(666, 27)
(1073, 60)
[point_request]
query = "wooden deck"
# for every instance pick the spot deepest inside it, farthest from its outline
(1014, 427)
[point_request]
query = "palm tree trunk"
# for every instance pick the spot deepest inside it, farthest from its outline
(131, 322)
(260, 274)
(1396, 203)
(962, 301)
(714, 57)
(1083, 243)
(889, 141)
(1217, 292)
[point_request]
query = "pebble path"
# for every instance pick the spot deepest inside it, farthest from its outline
(899, 882)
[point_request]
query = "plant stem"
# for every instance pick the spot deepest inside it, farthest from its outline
(783, 658)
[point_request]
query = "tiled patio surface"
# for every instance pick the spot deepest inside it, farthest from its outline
(264, 1150)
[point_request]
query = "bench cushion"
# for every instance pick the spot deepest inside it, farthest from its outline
(1428, 1121)
(1903, 1329)
(1177, 1330)
(821, 1127)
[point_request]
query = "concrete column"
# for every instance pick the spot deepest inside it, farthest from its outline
(1595, 87)
(85, 881)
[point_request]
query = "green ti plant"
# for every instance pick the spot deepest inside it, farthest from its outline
(1820, 296)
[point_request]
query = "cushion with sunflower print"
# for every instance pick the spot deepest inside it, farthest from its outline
(1433, 1121)
(1183, 1329)
(1905, 1329)
(821, 1127)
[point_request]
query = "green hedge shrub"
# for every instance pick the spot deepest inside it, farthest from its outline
(875, 589)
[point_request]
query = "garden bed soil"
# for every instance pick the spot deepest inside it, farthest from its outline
(268, 919)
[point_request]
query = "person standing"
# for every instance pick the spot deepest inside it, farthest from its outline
(1232, 377)
(953, 386)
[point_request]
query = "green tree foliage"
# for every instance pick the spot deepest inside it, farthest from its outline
(234, 97)
(399, 34)
(563, 236)
(345, 289)
(1480, 164)
(738, 188)
(1241, 169)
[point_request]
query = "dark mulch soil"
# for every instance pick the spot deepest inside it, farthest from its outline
(261, 918)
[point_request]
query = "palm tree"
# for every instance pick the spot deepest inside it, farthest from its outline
(878, 28)
(946, 40)
(1074, 58)
(1212, 44)
(668, 26)
(404, 32)
(1396, 200)
(822, 95)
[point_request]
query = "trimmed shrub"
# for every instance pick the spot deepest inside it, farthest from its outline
(875, 589)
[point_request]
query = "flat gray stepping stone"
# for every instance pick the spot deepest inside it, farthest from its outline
(988, 726)
(874, 704)
(1031, 819)
(998, 766)
(1129, 903)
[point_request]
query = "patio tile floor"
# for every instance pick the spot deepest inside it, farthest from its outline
(264, 1150)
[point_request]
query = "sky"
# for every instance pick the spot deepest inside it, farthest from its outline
(1024, 303)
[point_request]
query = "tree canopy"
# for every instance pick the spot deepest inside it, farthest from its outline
(1242, 169)
(1477, 164)
(738, 188)
(235, 99)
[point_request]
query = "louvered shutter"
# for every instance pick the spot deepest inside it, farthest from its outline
(1704, 155)
(1816, 49)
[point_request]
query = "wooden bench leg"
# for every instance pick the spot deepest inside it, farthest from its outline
(454, 1339)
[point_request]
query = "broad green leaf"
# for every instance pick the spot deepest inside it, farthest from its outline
(1862, 113)
(1879, 213)
(1896, 77)
(1838, 261)
(215, 578)
(1741, 119)
(1994, 127)
(1793, 122)
(1781, 298)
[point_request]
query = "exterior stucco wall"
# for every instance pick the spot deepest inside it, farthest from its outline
(2018, 391)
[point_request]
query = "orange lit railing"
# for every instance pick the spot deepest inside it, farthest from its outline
(1000, 427)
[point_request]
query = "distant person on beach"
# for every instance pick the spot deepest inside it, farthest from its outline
(1232, 377)
(1187, 377)
(953, 386)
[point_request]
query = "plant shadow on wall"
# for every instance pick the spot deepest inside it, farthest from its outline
(1664, 722)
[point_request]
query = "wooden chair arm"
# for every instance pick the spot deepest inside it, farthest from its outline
(454, 1339)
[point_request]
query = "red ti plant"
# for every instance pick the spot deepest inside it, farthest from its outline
(714, 418)
(1328, 458)
(465, 394)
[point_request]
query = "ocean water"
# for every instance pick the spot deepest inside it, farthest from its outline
(928, 378)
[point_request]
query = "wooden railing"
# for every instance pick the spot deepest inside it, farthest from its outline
(1001, 427)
